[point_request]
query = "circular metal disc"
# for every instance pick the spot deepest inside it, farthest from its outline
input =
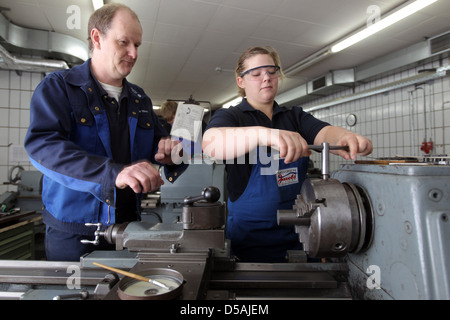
(133, 289)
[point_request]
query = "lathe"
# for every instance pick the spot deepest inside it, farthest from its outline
(380, 229)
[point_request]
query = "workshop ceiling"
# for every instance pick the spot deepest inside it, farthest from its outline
(190, 47)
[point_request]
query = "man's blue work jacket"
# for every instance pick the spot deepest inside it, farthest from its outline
(69, 142)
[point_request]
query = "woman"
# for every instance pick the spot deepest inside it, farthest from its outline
(266, 151)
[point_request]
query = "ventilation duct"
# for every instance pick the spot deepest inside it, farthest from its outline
(331, 82)
(37, 50)
(422, 77)
(439, 44)
(327, 84)
(10, 62)
(413, 56)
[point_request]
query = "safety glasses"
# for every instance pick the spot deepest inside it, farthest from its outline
(258, 73)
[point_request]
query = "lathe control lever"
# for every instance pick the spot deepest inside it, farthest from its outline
(325, 148)
(210, 194)
(204, 212)
(98, 233)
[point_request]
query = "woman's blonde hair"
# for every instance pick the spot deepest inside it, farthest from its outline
(253, 51)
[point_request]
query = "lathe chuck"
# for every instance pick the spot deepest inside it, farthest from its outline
(331, 218)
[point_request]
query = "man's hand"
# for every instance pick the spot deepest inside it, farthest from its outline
(169, 151)
(142, 177)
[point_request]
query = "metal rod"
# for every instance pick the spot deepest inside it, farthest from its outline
(325, 161)
(320, 148)
(325, 148)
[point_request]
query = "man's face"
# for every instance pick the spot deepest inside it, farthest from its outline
(118, 47)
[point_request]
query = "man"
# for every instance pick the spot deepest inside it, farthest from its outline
(93, 134)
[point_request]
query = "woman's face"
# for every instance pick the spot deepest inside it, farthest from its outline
(261, 89)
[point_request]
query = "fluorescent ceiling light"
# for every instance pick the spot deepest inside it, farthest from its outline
(233, 102)
(97, 4)
(382, 24)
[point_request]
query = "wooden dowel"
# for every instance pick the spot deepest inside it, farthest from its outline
(132, 275)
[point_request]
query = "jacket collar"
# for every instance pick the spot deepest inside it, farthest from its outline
(82, 76)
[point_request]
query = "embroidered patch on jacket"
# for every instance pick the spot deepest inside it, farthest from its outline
(287, 176)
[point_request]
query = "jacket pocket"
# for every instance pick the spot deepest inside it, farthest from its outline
(82, 116)
(84, 132)
(143, 140)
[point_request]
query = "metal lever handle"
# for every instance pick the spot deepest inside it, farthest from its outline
(83, 295)
(321, 147)
(325, 148)
(97, 233)
(210, 194)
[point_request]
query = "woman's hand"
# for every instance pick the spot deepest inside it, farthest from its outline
(357, 144)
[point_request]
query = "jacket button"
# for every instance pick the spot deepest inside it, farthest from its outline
(170, 179)
(83, 120)
(96, 108)
(134, 113)
(137, 101)
(148, 124)
(90, 89)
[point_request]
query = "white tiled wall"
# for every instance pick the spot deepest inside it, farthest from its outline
(386, 118)
(16, 89)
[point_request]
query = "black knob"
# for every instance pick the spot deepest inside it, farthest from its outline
(210, 194)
